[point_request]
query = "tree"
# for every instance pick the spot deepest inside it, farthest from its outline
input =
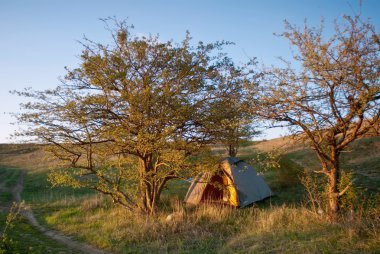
(234, 121)
(334, 97)
(131, 117)
(236, 124)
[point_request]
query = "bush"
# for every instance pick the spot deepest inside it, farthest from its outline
(349, 201)
(7, 245)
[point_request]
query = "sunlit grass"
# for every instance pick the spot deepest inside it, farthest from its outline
(211, 229)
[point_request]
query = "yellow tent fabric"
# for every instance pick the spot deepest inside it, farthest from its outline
(232, 198)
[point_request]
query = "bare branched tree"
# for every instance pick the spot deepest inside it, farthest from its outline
(333, 98)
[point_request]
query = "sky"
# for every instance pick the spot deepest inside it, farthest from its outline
(40, 37)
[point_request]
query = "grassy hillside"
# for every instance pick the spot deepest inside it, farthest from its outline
(281, 224)
(362, 158)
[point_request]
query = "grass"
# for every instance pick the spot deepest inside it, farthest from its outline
(213, 229)
(37, 189)
(280, 224)
(296, 230)
(362, 158)
(9, 176)
(5, 197)
(26, 239)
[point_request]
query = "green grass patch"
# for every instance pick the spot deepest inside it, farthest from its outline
(38, 190)
(26, 239)
(9, 176)
(5, 197)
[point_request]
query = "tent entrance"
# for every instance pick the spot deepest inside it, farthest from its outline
(214, 190)
(220, 189)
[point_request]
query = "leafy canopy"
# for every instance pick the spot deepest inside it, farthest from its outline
(129, 117)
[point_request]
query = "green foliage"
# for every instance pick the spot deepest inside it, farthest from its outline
(270, 160)
(288, 172)
(5, 196)
(350, 199)
(7, 244)
(233, 122)
(315, 191)
(24, 238)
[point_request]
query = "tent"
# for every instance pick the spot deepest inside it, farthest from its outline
(236, 184)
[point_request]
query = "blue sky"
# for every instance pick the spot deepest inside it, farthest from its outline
(40, 37)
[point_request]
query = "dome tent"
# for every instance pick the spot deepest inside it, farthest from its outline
(236, 184)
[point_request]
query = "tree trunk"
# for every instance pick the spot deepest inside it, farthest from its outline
(232, 151)
(149, 189)
(333, 191)
(147, 203)
(142, 205)
(143, 186)
(151, 186)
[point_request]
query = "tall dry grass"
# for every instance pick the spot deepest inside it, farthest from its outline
(216, 229)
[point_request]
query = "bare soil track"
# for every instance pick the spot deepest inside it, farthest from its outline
(63, 239)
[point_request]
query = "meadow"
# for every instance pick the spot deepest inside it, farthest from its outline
(283, 223)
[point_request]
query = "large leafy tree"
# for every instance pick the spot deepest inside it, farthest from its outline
(129, 117)
(333, 98)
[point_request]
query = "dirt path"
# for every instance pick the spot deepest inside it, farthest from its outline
(66, 240)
